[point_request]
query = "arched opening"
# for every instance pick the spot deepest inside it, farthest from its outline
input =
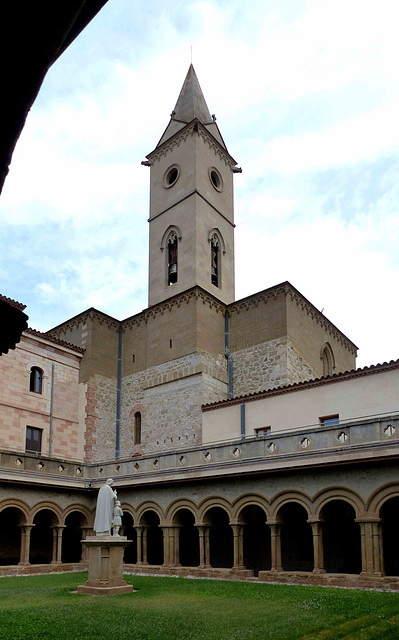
(215, 261)
(154, 537)
(257, 546)
(10, 535)
(221, 543)
(36, 380)
(137, 427)
(72, 536)
(188, 538)
(172, 258)
(296, 538)
(390, 535)
(341, 538)
(327, 357)
(41, 539)
(130, 555)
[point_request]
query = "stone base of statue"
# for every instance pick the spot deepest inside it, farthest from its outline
(105, 565)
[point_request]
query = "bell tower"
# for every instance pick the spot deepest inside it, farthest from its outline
(191, 203)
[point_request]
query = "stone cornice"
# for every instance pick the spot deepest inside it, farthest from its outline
(81, 319)
(286, 289)
(195, 293)
(308, 384)
(189, 130)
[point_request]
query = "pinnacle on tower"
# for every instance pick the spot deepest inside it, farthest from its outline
(191, 105)
(191, 102)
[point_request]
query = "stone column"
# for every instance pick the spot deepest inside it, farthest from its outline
(371, 545)
(57, 543)
(275, 535)
(318, 554)
(238, 538)
(378, 552)
(166, 546)
(141, 531)
(25, 543)
(204, 549)
(175, 545)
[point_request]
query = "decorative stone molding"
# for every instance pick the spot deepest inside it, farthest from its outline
(194, 127)
(196, 293)
(286, 289)
(81, 319)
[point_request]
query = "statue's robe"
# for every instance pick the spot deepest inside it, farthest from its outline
(105, 509)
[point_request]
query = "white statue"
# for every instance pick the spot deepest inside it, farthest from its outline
(117, 521)
(105, 509)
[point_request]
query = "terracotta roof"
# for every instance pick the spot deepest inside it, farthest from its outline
(49, 338)
(13, 303)
(307, 384)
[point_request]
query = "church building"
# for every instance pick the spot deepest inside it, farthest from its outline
(241, 438)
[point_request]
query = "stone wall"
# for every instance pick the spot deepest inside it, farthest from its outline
(265, 366)
(100, 441)
(169, 398)
(262, 366)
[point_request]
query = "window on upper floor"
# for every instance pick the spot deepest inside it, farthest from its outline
(36, 380)
(329, 421)
(327, 357)
(262, 431)
(137, 427)
(172, 258)
(215, 260)
(33, 439)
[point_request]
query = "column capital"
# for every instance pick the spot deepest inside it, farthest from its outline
(368, 520)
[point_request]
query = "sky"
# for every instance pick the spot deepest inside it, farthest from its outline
(306, 94)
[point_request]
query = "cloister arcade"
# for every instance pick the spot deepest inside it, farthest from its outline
(333, 533)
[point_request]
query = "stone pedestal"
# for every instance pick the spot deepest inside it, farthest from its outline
(105, 565)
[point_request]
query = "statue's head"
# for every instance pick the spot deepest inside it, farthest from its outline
(118, 504)
(110, 481)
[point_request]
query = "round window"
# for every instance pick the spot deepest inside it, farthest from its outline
(171, 176)
(216, 178)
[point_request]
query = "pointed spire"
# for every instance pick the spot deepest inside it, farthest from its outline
(191, 102)
(191, 105)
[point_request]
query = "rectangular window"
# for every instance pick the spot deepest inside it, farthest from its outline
(33, 439)
(329, 421)
(262, 431)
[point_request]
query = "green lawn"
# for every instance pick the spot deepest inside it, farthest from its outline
(177, 609)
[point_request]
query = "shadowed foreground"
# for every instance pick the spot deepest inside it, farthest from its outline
(169, 608)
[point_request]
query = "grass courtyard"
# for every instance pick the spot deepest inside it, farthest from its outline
(45, 607)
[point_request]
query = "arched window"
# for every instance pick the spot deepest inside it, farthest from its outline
(218, 249)
(137, 427)
(327, 357)
(172, 258)
(36, 380)
(215, 259)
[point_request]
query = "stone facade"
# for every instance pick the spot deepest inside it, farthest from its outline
(265, 366)
(169, 398)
